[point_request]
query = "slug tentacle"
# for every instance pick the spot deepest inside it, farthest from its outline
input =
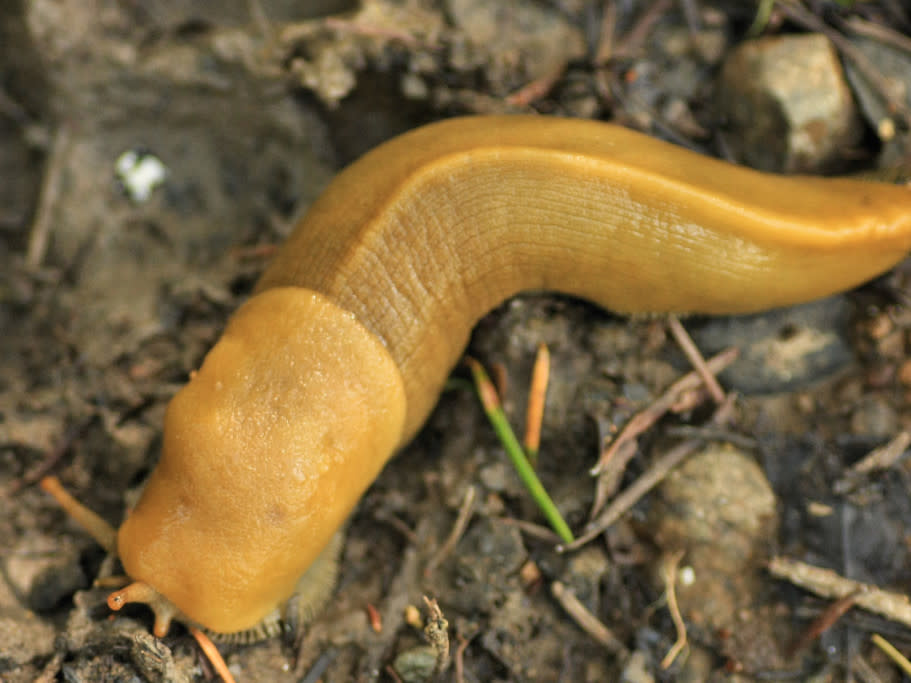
(100, 530)
(313, 587)
(138, 591)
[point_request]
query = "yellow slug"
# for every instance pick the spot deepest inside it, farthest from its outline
(340, 354)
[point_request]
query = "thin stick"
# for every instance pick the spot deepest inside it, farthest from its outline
(608, 481)
(526, 472)
(862, 671)
(829, 617)
(829, 584)
(606, 34)
(879, 32)
(399, 525)
(614, 458)
(642, 421)
(645, 483)
(881, 458)
(50, 191)
(631, 495)
(634, 39)
(459, 659)
(669, 572)
(538, 88)
(537, 393)
(605, 51)
(709, 433)
(458, 528)
(688, 346)
(587, 621)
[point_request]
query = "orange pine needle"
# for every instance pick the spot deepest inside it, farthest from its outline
(375, 618)
(534, 414)
(212, 654)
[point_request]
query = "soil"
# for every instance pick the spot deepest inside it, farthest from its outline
(109, 299)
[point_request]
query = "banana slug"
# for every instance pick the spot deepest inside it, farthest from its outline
(339, 355)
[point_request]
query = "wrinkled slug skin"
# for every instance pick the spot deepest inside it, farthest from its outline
(341, 353)
(428, 232)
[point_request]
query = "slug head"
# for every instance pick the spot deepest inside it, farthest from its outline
(266, 452)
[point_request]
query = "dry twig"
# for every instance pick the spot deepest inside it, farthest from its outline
(645, 419)
(537, 89)
(881, 458)
(623, 447)
(458, 528)
(879, 32)
(669, 572)
(605, 48)
(50, 191)
(587, 621)
(645, 483)
(829, 584)
(824, 622)
(459, 659)
(635, 38)
(695, 357)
